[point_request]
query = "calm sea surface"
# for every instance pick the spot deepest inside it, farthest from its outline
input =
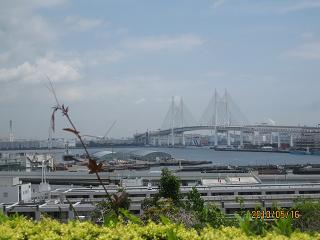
(217, 158)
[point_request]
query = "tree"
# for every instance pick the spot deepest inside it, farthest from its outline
(169, 186)
(194, 201)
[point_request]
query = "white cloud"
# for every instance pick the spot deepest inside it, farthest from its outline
(300, 5)
(81, 24)
(4, 57)
(30, 5)
(215, 74)
(307, 51)
(17, 32)
(32, 73)
(275, 7)
(139, 101)
(103, 57)
(218, 3)
(72, 94)
(166, 42)
(307, 35)
(24, 33)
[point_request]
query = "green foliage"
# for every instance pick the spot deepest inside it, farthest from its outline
(150, 202)
(132, 218)
(105, 210)
(169, 186)
(309, 219)
(3, 218)
(110, 219)
(240, 200)
(252, 226)
(166, 208)
(102, 210)
(164, 220)
(283, 226)
(171, 235)
(206, 214)
(19, 228)
(194, 201)
(213, 216)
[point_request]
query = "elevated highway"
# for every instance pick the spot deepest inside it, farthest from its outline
(143, 138)
(222, 128)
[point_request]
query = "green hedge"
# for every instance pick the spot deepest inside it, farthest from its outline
(22, 228)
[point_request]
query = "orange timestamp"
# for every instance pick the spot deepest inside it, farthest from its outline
(275, 214)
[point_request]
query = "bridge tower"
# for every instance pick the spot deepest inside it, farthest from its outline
(215, 118)
(11, 136)
(178, 116)
(227, 116)
(182, 122)
(223, 111)
(172, 121)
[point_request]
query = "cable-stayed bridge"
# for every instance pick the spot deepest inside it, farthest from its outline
(224, 119)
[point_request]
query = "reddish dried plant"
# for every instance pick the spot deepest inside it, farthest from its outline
(92, 164)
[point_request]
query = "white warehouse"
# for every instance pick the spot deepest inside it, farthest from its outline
(12, 190)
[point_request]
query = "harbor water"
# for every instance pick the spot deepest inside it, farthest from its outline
(216, 157)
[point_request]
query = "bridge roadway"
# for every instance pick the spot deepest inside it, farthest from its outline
(224, 128)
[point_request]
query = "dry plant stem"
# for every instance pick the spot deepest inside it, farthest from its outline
(73, 209)
(88, 156)
(76, 132)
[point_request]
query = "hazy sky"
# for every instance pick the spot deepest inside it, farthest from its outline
(123, 60)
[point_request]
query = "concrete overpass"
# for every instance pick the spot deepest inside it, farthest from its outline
(144, 138)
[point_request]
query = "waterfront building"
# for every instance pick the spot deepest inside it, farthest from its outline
(25, 161)
(21, 144)
(13, 190)
(308, 140)
(220, 188)
(223, 194)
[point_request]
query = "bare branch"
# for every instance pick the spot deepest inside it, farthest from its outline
(52, 90)
(92, 164)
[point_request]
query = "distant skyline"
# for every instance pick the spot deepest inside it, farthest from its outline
(124, 60)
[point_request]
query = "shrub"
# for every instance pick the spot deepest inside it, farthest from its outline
(309, 219)
(21, 228)
(252, 226)
(213, 216)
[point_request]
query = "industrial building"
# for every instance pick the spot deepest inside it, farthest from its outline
(25, 162)
(13, 190)
(308, 140)
(23, 144)
(222, 193)
(132, 154)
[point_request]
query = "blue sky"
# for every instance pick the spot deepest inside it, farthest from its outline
(123, 60)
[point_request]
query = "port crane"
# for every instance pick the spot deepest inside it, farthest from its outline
(105, 135)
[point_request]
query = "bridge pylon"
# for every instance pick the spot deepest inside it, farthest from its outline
(222, 111)
(177, 116)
